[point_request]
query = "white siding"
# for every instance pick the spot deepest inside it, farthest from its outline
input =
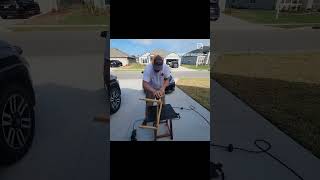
(47, 5)
(189, 60)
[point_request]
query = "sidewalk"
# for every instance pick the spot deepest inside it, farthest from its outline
(236, 123)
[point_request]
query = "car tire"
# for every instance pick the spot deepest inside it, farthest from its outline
(15, 136)
(115, 98)
(4, 16)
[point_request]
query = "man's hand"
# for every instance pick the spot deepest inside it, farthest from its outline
(157, 94)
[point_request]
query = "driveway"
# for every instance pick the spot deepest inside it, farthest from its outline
(69, 91)
(191, 126)
(236, 123)
(230, 22)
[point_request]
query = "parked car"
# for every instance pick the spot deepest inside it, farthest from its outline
(17, 101)
(111, 82)
(214, 10)
(170, 88)
(115, 63)
(21, 8)
(173, 64)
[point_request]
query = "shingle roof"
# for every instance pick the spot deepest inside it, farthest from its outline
(114, 52)
(160, 52)
(204, 50)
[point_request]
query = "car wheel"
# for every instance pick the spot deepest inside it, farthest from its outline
(16, 124)
(4, 16)
(115, 99)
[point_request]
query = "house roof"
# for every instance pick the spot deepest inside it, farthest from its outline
(160, 52)
(117, 53)
(200, 51)
(203, 50)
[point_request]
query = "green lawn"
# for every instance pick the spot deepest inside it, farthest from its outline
(131, 67)
(284, 88)
(197, 88)
(24, 29)
(77, 15)
(269, 16)
(200, 67)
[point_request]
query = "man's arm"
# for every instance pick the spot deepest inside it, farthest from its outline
(148, 87)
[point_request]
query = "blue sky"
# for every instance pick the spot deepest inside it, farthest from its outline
(140, 46)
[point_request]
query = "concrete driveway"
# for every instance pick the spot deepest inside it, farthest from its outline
(69, 91)
(236, 123)
(229, 22)
(191, 126)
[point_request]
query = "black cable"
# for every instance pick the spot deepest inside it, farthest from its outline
(230, 148)
(192, 108)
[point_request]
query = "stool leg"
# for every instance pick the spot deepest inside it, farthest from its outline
(155, 132)
(171, 131)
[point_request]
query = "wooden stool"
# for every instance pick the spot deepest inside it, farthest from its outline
(160, 114)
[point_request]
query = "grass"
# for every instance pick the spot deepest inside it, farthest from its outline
(24, 29)
(76, 15)
(200, 67)
(284, 88)
(197, 88)
(131, 67)
(269, 16)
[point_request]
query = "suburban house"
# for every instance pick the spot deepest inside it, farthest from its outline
(296, 5)
(252, 4)
(284, 5)
(145, 58)
(98, 3)
(200, 56)
(47, 5)
(163, 53)
(167, 56)
(116, 54)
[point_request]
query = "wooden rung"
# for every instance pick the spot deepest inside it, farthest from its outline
(148, 127)
(150, 100)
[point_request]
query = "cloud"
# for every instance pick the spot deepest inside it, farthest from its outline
(143, 41)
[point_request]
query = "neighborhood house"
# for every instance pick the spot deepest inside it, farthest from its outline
(199, 56)
(284, 5)
(168, 57)
(116, 54)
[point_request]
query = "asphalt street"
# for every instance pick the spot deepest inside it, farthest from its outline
(69, 91)
(57, 43)
(233, 35)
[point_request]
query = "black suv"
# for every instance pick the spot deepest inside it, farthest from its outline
(214, 10)
(111, 82)
(21, 8)
(17, 101)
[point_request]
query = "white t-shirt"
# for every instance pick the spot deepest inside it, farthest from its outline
(155, 79)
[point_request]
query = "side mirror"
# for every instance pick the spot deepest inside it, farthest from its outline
(103, 34)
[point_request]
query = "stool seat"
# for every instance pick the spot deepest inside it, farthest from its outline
(166, 113)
